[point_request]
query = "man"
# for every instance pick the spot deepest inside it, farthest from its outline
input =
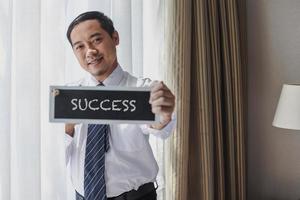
(129, 168)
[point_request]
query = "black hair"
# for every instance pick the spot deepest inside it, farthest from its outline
(104, 21)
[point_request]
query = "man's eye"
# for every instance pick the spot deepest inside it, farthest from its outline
(97, 40)
(79, 47)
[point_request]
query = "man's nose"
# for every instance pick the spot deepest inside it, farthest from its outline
(91, 51)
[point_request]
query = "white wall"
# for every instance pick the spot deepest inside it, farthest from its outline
(273, 59)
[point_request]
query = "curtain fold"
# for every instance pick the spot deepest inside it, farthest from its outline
(5, 76)
(210, 134)
(177, 30)
(25, 134)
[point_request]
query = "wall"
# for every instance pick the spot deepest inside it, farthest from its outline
(273, 164)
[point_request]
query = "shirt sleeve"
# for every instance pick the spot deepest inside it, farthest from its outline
(163, 133)
(69, 147)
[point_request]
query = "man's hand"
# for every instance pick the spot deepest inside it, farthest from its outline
(69, 129)
(162, 102)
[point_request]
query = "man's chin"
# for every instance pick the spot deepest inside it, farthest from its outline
(97, 73)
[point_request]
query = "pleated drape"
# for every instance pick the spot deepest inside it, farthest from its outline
(206, 67)
(177, 50)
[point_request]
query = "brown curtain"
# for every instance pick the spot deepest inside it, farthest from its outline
(205, 59)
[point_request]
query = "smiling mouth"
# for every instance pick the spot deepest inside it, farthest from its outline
(95, 61)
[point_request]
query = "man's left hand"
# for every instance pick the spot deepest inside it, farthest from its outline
(162, 101)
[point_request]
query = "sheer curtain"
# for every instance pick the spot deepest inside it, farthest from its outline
(34, 54)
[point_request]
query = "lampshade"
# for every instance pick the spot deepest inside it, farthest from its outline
(288, 109)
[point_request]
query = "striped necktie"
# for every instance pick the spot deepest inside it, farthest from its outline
(97, 143)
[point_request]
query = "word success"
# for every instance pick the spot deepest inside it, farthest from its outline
(105, 105)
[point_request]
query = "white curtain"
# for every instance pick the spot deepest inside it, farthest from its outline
(34, 53)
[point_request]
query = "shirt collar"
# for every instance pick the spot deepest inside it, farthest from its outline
(113, 79)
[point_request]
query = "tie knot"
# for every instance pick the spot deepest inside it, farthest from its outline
(100, 84)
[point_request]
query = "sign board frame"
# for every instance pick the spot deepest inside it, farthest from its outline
(54, 91)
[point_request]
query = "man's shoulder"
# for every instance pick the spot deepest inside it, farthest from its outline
(144, 82)
(80, 82)
(137, 81)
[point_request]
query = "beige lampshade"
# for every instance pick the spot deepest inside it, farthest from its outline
(288, 109)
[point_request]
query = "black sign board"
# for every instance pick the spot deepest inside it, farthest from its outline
(100, 105)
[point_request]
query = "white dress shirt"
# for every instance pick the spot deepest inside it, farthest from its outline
(129, 162)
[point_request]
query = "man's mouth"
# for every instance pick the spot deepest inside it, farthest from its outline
(95, 61)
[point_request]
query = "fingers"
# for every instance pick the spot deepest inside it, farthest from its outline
(163, 110)
(69, 129)
(160, 93)
(162, 100)
(158, 90)
(158, 85)
(70, 125)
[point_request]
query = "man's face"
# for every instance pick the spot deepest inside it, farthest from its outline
(94, 48)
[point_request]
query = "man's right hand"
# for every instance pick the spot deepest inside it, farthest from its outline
(69, 129)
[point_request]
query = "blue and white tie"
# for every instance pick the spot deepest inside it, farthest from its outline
(97, 144)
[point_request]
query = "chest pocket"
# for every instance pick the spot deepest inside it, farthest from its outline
(127, 137)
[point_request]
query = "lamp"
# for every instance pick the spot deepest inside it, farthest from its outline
(288, 109)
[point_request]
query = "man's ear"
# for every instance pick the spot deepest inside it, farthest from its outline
(115, 37)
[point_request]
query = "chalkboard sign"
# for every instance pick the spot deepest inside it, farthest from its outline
(98, 104)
